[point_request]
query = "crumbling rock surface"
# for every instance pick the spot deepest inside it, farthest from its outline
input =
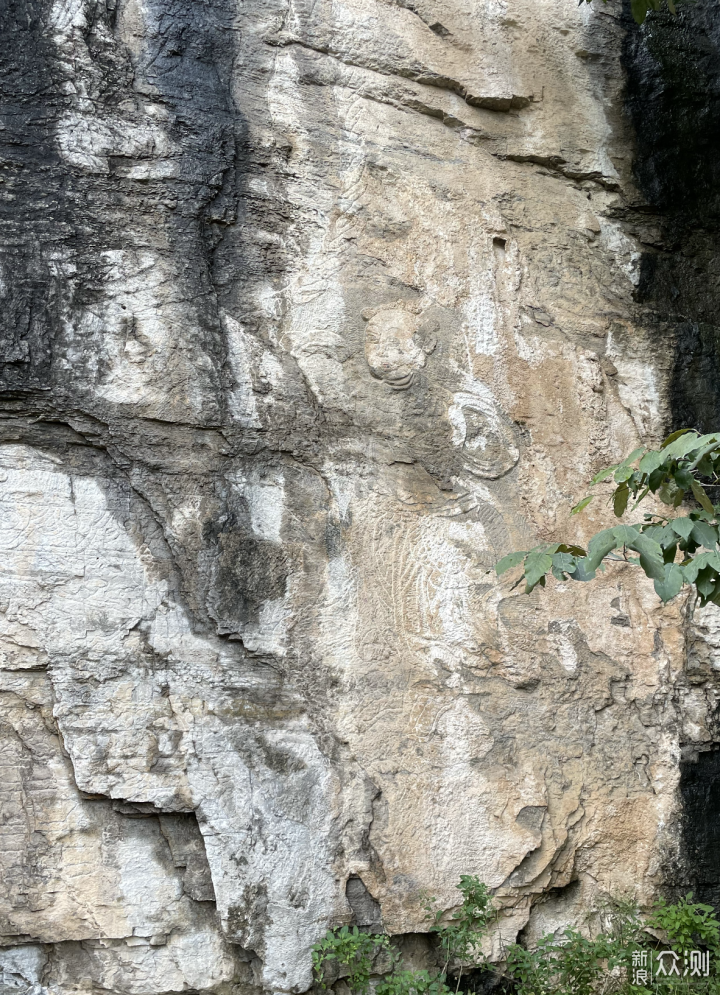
(310, 312)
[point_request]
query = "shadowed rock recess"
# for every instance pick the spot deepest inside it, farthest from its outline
(310, 312)
(673, 101)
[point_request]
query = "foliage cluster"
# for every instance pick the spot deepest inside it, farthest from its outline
(573, 964)
(354, 950)
(566, 964)
(687, 923)
(362, 954)
(673, 550)
(459, 940)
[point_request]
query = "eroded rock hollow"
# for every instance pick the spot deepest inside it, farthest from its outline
(310, 312)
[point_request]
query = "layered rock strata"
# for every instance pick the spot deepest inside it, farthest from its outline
(310, 313)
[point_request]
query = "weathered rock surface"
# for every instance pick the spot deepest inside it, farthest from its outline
(309, 313)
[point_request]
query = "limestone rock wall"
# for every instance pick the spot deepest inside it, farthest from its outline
(310, 312)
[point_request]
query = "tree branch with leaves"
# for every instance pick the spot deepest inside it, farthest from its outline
(672, 550)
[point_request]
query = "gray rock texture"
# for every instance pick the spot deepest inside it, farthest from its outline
(310, 312)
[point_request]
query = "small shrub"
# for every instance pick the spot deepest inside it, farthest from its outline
(532, 970)
(351, 949)
(413, 983)
(688, 924)
(571, 964)
(460, 938)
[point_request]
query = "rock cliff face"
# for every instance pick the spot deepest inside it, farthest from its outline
(310, 312)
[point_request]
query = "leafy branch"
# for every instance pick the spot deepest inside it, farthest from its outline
(352, 949)
(671, 550)
(564, 963)
(460, 938)
(354, 952)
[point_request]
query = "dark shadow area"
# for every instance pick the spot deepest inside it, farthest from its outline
(673, 98)
(672, 67)
(366, 910)
(482, 982)
(673, 101)
(700, 790)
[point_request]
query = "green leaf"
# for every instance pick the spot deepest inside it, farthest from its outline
(651, 556)
(639, 10)
(625, 534)
(604, 474)
(672, 582)
(708, 440)
(683, 478)
(537, 565)
(620, 501)
(651, 461)
(674, 435)
(701, 497)
(705, 582)
(653, 569)
(669, 553)
(569, 548)
(657, 477)
(581, 504)
(599, 546)
(624, 470)
(662, 534)
(623, 473)
(682, 527)
(508, 562)
(583, 570)
(681, 446)
(698, 563)
(705, 535)
(547, 547)
(706, 444)
(564, 562)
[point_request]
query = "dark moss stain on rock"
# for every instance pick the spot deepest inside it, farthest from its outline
(700, 790)
(246, 572)
(59, 218)
(246, 919)
(673, 97)
(31, 196)
(673, 101)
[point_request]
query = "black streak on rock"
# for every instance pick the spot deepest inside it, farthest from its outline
(673, 100)
(700, 790)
